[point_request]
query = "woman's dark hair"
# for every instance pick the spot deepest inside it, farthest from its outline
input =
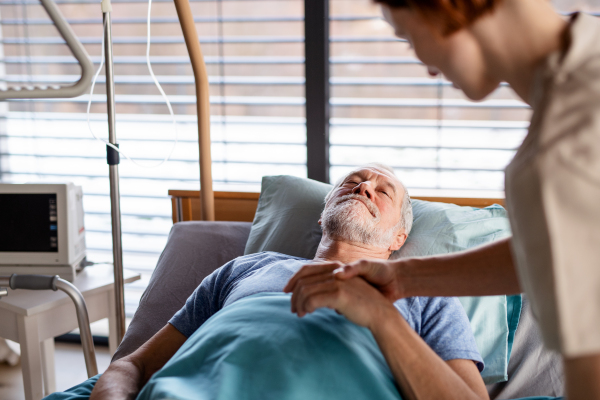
(450, 15)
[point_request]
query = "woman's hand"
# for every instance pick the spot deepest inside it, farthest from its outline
(383, 275)
(316, 286)
(487, 270)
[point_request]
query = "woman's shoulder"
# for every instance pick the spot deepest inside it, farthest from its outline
(577, 70)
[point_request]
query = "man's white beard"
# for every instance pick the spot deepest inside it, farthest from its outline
(350, 220)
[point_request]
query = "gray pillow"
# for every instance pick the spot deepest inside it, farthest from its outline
(194, 250)
(287, 216)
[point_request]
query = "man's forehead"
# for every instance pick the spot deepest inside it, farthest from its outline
(383, 176)
(369, 172)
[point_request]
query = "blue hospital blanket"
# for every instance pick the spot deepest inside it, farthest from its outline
(256, 349)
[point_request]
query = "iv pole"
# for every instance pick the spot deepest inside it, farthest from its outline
(112, 158)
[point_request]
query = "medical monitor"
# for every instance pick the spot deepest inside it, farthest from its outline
(41, 229)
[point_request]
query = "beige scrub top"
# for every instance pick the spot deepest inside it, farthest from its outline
(553, 195)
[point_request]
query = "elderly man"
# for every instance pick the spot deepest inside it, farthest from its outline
(427, 342)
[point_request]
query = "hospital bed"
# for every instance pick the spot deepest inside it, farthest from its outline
(196, 248)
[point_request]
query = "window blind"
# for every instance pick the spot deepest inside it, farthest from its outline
(254, 53)
(384, 108)
(433, 136)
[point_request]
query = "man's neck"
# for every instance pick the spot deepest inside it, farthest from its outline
(347, 252)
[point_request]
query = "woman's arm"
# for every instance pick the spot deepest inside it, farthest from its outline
(125, 378)
(419, 371)
(483, 271)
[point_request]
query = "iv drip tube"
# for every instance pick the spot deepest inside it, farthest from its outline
(160, 89)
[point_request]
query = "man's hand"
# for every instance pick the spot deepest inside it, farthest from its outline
(309, 274)
(124, 378)
(354, 298)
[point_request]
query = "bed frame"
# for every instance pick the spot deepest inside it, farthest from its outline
(241, 206)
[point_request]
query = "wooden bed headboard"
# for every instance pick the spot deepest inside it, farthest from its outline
(241, 206)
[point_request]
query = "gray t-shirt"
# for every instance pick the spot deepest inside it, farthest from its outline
(440, 321)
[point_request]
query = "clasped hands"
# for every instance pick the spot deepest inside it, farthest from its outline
(363, 291)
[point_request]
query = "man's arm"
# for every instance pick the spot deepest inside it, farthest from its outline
(419, 371)
(125, 378)
(483, 271)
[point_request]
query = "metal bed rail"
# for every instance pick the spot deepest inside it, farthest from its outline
(78, 51)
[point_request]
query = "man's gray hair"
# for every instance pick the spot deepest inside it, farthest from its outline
(406, 218)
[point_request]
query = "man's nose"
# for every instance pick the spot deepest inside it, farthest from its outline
(365, 189)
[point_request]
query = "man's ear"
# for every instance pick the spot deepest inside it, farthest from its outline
(399, 240)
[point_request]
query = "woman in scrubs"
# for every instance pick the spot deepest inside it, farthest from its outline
(552, 185)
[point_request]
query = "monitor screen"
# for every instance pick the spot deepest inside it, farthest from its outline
(28, 222)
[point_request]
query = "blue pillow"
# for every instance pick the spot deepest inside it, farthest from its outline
(441, 228)
(286, 222)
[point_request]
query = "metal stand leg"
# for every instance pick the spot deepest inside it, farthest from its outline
(113, 341)
(31, 358)
(48, 370)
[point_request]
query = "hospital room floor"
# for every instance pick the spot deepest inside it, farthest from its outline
(70, 373)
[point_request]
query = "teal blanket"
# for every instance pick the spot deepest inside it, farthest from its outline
(257, 349)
